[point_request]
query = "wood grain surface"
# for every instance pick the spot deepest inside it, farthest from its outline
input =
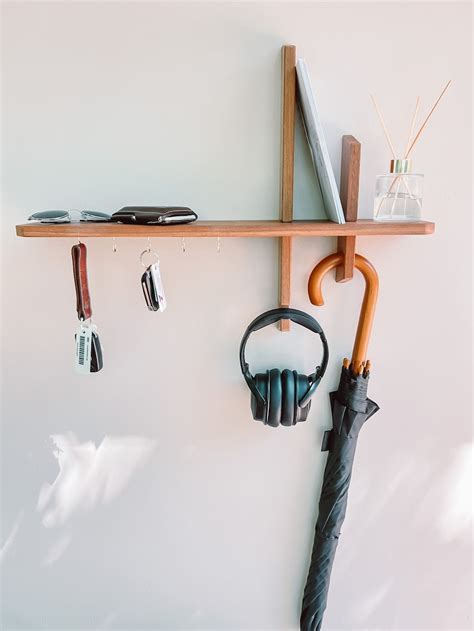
(349, 192)
(365, 227)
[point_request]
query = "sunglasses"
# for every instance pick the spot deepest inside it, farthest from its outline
(64, 216)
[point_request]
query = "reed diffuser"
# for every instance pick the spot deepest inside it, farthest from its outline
(399, 194)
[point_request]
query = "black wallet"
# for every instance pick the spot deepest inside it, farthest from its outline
(154, 215)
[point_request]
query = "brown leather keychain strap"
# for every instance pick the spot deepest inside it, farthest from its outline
(79, 268)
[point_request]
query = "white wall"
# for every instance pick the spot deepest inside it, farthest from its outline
(173, 509)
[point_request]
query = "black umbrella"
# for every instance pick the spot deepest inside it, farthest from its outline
(350, 410)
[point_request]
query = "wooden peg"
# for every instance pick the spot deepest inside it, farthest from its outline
(350, 172)
(287, 171)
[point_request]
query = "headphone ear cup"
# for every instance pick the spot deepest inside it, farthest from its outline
(288, 398)
(259, 409)
(302, 385)
(274, 397)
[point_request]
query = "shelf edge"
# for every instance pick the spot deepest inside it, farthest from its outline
(249, 229)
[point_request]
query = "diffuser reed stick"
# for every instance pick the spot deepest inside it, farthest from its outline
(413, 122)
(420, 131)
(384, 127)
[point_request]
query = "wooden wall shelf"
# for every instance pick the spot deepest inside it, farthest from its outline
(284, 229)
(244, 228)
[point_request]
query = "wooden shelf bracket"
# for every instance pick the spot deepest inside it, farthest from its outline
(349, 192)
(288, 65)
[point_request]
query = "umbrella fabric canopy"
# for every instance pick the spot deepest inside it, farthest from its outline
(350, 410)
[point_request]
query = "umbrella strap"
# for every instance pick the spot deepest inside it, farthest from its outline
(328, 440)
(352, 391)
(331, 436)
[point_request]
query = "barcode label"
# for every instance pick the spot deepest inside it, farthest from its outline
(82, 362)
(82, 348)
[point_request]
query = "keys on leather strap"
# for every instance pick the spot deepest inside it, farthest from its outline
(88, 356)
(79, 268)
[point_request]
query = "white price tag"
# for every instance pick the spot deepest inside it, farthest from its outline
(82, 362)
(158, 286)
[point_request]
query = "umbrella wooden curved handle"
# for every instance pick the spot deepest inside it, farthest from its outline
(367, 312)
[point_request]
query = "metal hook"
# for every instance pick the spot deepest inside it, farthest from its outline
(367, 311)
(218, 245)
(183, 246)
(114, 245)
(144, 253)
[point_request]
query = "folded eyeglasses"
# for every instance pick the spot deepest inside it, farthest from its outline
(67, 216)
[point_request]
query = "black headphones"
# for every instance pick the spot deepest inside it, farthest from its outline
(282, 397)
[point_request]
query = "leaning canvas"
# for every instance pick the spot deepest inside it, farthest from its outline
(317, 144)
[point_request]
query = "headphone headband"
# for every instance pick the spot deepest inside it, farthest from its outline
(275, 315)
(283, 313)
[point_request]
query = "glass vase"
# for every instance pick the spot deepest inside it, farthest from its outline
(398, 195)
